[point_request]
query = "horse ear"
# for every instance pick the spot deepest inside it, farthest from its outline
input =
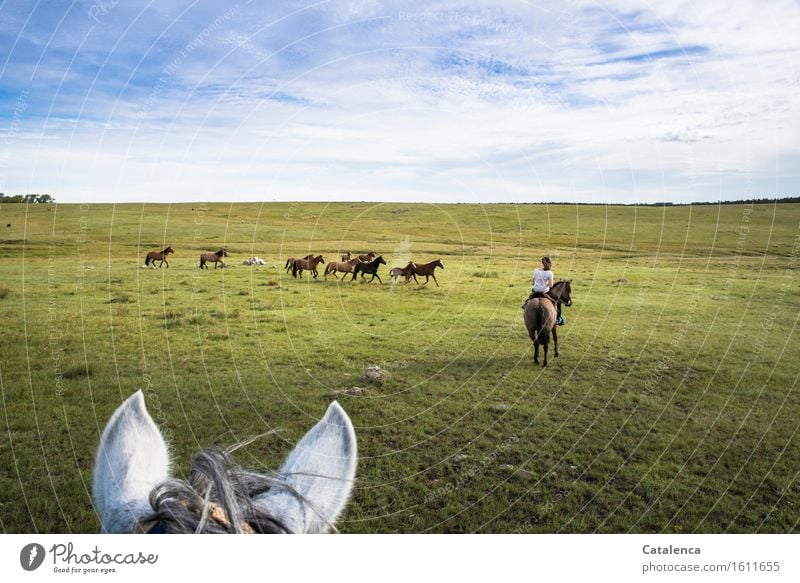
(318, 476)
(131, 459)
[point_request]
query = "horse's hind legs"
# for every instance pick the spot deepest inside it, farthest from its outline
(535, 353)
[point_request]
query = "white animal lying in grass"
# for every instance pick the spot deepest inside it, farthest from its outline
(134, 493)
(254, 261)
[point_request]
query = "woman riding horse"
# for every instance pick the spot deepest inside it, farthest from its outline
(540, 317)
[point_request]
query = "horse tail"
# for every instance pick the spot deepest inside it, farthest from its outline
(541, 329)
(294, 269)
(147, 261)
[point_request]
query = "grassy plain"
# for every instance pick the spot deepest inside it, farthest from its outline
(673, 407)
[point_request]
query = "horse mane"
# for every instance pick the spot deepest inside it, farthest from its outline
(217, 498)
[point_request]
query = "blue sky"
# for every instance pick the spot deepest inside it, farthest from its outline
(116, 100)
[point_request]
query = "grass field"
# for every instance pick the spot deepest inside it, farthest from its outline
(674, 405)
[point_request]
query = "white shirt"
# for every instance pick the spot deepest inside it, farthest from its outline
(540, 279)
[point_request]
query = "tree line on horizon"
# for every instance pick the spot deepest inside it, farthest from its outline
(27, 198)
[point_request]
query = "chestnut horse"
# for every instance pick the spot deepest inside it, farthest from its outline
(540, 317)
(310, 264)
(427, 270)
(290, 262)
(216, 258)
(341, 266)
(161, 256)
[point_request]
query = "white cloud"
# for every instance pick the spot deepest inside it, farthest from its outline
(446, 101)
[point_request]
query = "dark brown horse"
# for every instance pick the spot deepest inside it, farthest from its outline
(161, 256)
(427, 270)
(310, 264)
(370, 267)
(540, 318)
(367, 257)
(215, 258)
(341, 267)
(290, 262)
(406, 272)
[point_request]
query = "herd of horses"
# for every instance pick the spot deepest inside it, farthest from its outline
(363, 265)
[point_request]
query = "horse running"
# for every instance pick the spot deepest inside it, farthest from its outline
(341, 267)
(310, 264)
(407, 272)
(290, 262)
(369, 268)
(367, 257)
(427, 269)
(540, 318)
(154, 256)
(215, 258)
(134, 493)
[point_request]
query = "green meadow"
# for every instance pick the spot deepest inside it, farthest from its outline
(673, 407)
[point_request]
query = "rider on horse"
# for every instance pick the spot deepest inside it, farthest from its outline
(542, 281)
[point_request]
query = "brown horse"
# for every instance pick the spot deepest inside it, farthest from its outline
(341, 266)
(407, 271)
(369, 267)
(427, 270)
(540, 318)
(215, 258)
(310, 264)
(367, 257)
(291, 260)
(346, 256)
(161, 256)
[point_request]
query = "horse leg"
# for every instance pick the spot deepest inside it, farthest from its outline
(546, 346)
(535, 352)
(433, 275)
(378, 276)
(555, 342)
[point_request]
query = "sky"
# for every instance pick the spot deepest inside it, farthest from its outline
(413, 101)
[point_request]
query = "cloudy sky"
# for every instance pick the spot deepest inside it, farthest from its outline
(439, 101)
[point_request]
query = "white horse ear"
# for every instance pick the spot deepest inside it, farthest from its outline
(131, 459)
(319, 475)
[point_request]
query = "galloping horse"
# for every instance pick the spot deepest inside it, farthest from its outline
(427, 270)
(407, 271)
(134, 493)
(216, 258)
(161, 256)
(346, 256)
(311, 264)
(290, 262)
(341, 266)
(367, 257)
(370, 267)
(540, 317)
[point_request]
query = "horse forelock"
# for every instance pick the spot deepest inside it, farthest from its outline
(216, 498)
